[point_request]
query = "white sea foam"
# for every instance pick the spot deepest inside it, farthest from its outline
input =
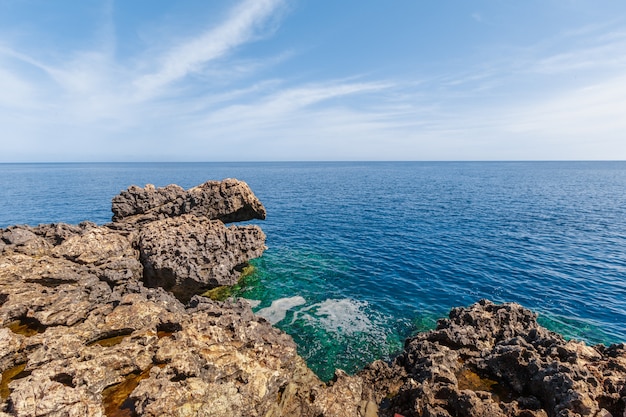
(277, 311)
(345, 316)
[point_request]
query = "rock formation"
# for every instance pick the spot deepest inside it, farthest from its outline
(106, 321)
(495, 360)
(229, 201)
(189, 254)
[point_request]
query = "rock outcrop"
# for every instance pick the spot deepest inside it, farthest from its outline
(495, 360)
(189, 254)
(106, 321)
(229, 201)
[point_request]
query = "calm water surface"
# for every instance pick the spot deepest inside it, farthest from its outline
(362, 255)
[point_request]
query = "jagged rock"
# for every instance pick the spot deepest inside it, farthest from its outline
(223, 356)
(190, 254)
(10, 345)
(22, 239)
(47, 290)
(96, 246)
(18, 235)
(143, 350)
(186, 254)
(83, 330)
(495, 360)
(229, 200)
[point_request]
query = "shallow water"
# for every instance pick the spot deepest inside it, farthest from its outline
(373, 252)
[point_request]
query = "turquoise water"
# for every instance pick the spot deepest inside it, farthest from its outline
(361, 255)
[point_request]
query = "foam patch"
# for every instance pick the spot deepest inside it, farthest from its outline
(277, 311)
(344, 316)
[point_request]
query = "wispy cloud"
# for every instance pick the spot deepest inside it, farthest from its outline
(595, 111)
(90, 85)
(605, 52)
(243, 25)
(16, 92)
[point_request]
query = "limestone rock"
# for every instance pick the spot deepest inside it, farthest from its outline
(22, 239)
(10, 346)
(229, 200)
(495, 360)
(82, 330)
(18, 235)
(223, 356)
(47, 291)
(189, 254)
(96, 246)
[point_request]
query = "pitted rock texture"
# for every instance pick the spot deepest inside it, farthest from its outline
(187, 250)
(188, 254)
(80, 346)
(495, 360)
(229, 200)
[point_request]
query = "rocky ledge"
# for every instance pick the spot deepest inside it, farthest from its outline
(107, 321)
(495, 360)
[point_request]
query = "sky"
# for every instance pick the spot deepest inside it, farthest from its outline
(301, 80)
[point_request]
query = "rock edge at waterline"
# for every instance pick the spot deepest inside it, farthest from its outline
(105, 321)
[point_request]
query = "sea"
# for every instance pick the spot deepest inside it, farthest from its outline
(362, 255)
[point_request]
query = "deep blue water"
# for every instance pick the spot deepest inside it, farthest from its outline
(361, 255)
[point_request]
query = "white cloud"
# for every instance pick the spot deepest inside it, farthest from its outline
(603, 55)
(16, 92)
(89, 90)
(596, 111)
(241, 27)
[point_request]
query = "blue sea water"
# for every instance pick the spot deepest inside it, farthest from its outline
(363, 254)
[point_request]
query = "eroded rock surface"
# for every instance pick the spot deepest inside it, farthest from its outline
(495, 360)
(190, 254)
(229, 200)
(95, 319)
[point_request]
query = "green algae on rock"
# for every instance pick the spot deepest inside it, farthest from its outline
(223, 292)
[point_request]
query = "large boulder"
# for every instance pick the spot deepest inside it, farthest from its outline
(165, 237)
(229, 200)
(188, 255)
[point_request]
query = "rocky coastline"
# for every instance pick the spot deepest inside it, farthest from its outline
(108, 321)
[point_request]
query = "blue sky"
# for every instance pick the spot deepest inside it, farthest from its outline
(271, 80)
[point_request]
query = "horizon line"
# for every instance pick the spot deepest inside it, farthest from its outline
(314, 161)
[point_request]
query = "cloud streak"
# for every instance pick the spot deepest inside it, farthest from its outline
(243, 25)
